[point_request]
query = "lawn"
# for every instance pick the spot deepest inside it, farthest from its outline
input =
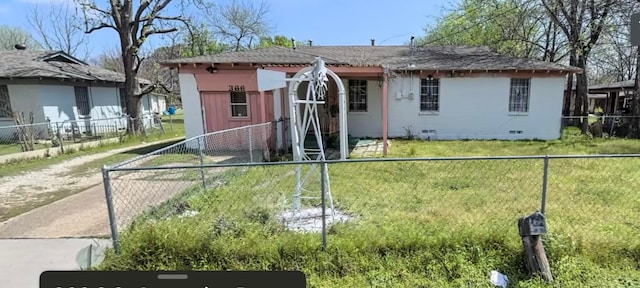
(415, 223)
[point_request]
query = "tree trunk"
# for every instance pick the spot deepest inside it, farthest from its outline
(582, 102)
(635, 104)
(131, 85)
(571, 95)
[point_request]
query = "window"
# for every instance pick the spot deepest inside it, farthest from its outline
(429, 95)
(357, 95)
(5, 103)
(239, 104)
(123, 101)
(519, 96)
(82, 100)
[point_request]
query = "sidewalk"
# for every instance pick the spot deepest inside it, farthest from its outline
(22, 260)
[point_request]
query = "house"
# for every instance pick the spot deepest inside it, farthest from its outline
(435, 92)
(56, 87)
(613, 98)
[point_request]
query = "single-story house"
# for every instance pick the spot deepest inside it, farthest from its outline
(436, 92)
(56, 87)
(613, 98)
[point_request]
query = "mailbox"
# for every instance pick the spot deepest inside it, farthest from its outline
(532, 225)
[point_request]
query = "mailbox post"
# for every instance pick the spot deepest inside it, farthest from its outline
(531, 228)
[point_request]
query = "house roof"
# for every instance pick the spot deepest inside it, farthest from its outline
(35, 64)
(395, 57)
(628, 84)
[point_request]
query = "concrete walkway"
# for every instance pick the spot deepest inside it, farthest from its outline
(373, 149)
(23, 260)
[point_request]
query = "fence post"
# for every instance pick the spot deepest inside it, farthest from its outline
(202, 175)
(545, 174)
(250, 145)
(59, 136)
(112, 217)
(323, 188)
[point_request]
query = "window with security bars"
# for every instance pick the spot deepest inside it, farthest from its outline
(82, 100)
(239, 104)
(430, 95)
(123, 101)
(5, 102)
(519, 96)
(357, 95)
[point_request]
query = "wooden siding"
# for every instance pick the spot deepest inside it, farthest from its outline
(217, 107)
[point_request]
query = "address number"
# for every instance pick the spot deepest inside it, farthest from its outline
(236, 88)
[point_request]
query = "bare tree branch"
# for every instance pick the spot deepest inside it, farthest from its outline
(59, 29)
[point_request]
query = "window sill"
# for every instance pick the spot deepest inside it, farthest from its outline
(240, 118)
(518, 114)
(426, 113)
(358, 112)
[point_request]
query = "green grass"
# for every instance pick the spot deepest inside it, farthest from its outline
(416, 224)
(16, 148)
(570, 143)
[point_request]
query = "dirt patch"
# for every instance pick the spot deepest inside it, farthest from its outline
(26, 191)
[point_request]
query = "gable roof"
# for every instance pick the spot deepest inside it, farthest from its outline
(395, 57)
(36, 64)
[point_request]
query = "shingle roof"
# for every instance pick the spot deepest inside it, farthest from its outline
(41, 64)
(628, 84)
(396, 57)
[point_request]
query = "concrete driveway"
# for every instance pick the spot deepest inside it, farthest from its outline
(22, 260)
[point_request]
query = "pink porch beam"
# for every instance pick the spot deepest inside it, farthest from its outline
(263, 108)
(385, 114)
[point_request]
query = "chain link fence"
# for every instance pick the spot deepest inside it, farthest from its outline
(67, 134)
(591, 200)
(135, 192)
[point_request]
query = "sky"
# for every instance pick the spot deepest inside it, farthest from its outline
(326, 22)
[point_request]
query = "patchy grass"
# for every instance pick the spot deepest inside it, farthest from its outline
(417, 224)
(570, 143)
(19, 166)
(16, 148)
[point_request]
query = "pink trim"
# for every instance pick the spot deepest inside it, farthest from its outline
(385, 114)
(263, 108)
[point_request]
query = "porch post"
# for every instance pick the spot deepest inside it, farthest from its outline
(385, 114)
(263, 107)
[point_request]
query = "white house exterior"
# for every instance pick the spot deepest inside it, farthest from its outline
(434, 92)
(55, 87)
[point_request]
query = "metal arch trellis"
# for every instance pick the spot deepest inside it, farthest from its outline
(305, 121)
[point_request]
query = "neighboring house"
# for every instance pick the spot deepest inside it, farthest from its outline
(436, 92)
(613, 98)
(57, 87)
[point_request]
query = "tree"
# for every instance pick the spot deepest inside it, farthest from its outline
(278, 40)
(59, 29)
(10, 36)
(241, 23)
(614, 58)
(582, 23)
(199, 41)
(510, 27)
(134, 27)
